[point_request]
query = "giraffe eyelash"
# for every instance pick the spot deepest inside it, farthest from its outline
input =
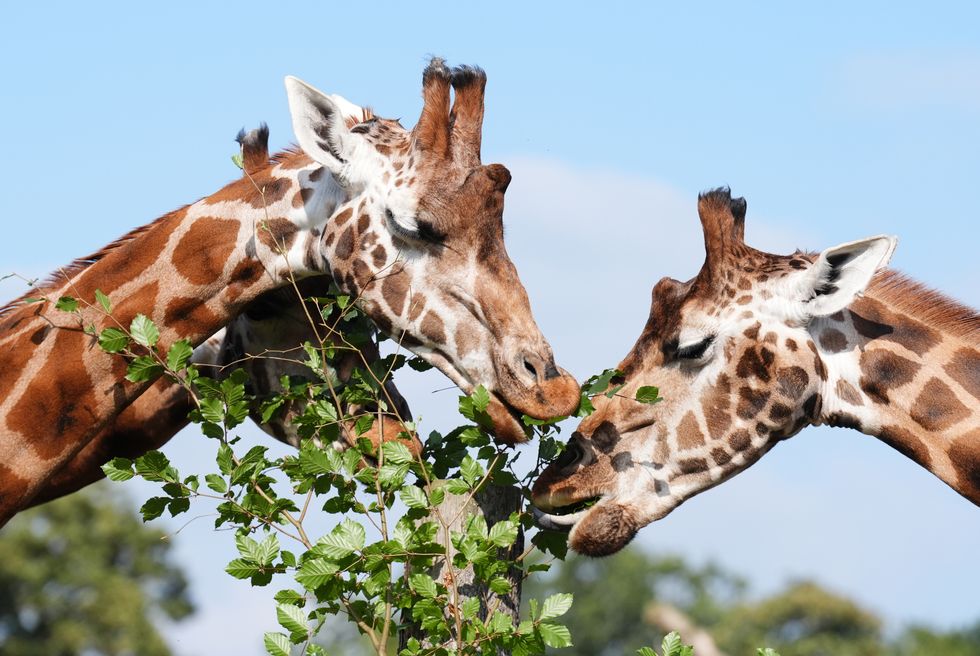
(695, 351)
(424, 231)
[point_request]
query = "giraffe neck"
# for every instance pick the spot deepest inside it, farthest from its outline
(191, 272)
(902, 364)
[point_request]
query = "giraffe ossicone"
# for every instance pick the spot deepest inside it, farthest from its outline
(408, 222)
(754, 348)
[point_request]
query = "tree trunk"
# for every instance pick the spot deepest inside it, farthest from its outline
(494, 503)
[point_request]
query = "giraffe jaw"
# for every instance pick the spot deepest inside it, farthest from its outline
(564, 519)
(507, 425)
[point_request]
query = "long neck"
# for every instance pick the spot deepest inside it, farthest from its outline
(903, 364)
(190, 271)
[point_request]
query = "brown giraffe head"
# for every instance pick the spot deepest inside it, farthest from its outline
(420, 242)
(733, 358)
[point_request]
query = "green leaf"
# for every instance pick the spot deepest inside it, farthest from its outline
(553, 542)
(503, 533)
(103, 300)
(471, 470)
(237, 160)
(289, 597)
(481, 398)
(315, 573)
(67, 304)
(113, 340)
(766, 651)
(423, 585)
(499, 585)
(418, 364)
(671, 645)
(144, 331)
(179, 354)
(470, 608)
(456, 486)
(555, 635)
(268, 550)
(224, 459)
(341, 542)
(216, 483)
(276, 644)
(143, 368)
(154, 507)
(645, 651)
(598, 384)
(154, 466)
(414, 497)
(556, 605)
(177, 506)
(242, 569)
(397, 453)
(118, 469)
(292, 619)
(648, 394)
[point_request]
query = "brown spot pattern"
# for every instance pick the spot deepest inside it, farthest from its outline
(906, 443)
(394, 289)
(833, 340)
(964, 368)
(847, 392)
(755, 363)
(55, 411)
(189, 317)
(433, 328)
(345, 245)
(937, 408)
(203, 251)
(876, 321)
(689, 435)
(883, 371)
(792, 381)
(277, 234)
(751, 402)
(740, 440)
(716, 406)
(965, 456)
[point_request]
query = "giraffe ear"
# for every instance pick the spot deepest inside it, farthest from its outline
(320, 123)
(842, 273)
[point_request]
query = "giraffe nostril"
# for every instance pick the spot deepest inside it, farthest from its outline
(530, 368)
(572, 455)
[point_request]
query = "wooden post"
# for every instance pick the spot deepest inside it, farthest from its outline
(494, 503)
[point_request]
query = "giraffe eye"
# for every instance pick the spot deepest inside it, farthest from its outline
(423, 230)
(695, 351)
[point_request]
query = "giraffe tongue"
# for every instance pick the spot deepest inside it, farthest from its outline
(507, 426)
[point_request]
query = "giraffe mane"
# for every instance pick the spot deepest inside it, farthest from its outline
(925, 304)
(57, 278)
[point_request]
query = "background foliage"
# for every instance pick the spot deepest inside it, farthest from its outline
(84, 575)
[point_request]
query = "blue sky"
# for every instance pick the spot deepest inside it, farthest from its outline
(835, 121)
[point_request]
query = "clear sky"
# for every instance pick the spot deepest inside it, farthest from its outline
(835, 120)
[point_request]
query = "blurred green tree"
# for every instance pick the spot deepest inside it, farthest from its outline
(612, 594)
(923, 641)
(803, 620)
(83, 575)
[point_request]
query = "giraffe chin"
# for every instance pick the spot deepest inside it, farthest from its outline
(599, 530)
(507, 426)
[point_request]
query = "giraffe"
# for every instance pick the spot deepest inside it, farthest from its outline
(750, 351)
(408, 222)
(275, 323)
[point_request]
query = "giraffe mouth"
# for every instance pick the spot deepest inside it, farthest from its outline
(564, 518)
(508, 426)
